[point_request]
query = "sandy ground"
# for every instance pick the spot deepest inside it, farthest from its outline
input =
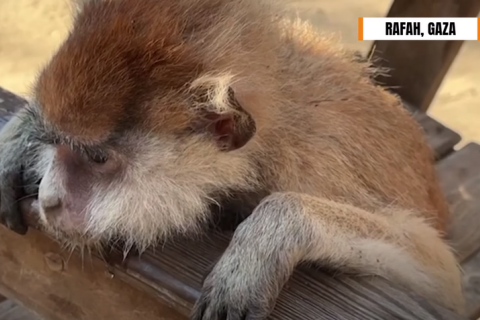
(30, 30)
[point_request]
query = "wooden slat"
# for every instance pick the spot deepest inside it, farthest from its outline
(35, 271)
(175, 271)
(460, 179)
(471, 283)
(418, 67)
(476, 314)
(440, 138)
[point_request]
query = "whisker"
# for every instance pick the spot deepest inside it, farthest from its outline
(25, 197)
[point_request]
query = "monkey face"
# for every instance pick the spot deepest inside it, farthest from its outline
(149, 169)
(141, 121)
(140, 187)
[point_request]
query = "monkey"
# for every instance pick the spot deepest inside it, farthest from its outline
(153, 112)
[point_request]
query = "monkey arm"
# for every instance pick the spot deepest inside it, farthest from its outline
(289, 228)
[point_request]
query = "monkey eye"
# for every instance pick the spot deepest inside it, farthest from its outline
(98, 157)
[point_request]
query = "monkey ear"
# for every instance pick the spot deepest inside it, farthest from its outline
(231, 128)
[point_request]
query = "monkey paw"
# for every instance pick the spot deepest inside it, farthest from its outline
(240, 287)
(11, 191)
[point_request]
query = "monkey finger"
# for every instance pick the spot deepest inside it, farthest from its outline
(258, 311)
(206, 309)
(209, 270)
(236, 314)
(254, 316)
(199, 309)
(215, 312)
(10, 214)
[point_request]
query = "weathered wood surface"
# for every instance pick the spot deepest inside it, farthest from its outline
(60, 286)
(461, 184)
(417, 68)
(460, 178)
(9, 310)
(471, 281)
(440, 138)
(172, 275)
(310, 293)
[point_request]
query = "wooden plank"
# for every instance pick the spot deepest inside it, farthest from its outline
(460, 179)
(440, 138)
(63, 287)
(10, 310)
(175, 272)
(471, 283)
(476, 314)
(417, 68)
(60, 286)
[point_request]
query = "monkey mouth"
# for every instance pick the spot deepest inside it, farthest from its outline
(68, 222)
(64, 225)
(72, 239)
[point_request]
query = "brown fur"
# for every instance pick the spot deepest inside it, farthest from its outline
(336, 151)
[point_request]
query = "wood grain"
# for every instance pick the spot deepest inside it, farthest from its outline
(440, 138)
(175, 272)
(460, 179)
(471, 283)
(417, 68)
(58, 286)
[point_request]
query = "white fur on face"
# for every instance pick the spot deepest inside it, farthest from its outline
(164, 189)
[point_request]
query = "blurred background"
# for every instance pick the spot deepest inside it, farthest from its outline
(30, 30)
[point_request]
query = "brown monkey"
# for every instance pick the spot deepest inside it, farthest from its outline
(153, 111)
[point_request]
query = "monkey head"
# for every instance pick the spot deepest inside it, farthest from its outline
(142, 122)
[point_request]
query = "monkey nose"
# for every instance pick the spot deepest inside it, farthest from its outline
(50, 204)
